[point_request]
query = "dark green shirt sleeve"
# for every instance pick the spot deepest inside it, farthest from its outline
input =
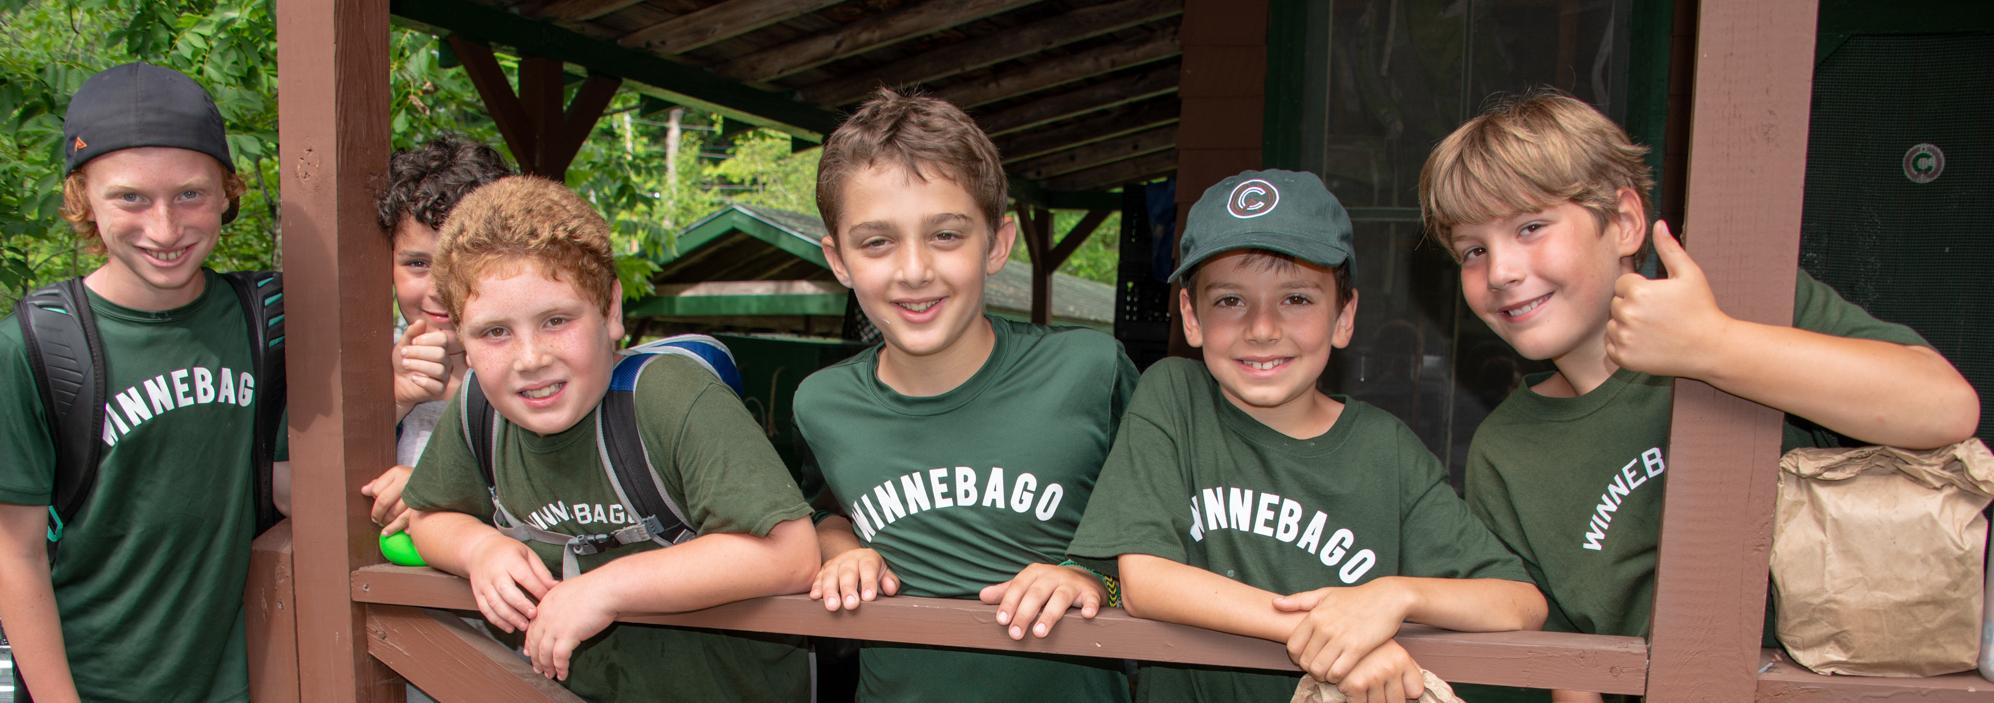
(447, 476)
(1131, 510)
(27, 453)
(1439, 538)
(728, 477)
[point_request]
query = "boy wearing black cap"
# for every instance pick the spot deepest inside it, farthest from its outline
(144, 599)
(1238, 481)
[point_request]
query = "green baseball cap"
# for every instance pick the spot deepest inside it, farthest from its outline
(1288, 212)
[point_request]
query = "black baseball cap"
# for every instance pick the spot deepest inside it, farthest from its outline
(136, 105)
(1289, 212)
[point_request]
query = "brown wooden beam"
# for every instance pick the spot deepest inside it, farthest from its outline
(1747, 168)
(544, 136)
(270, 618)
(496, 91)
(1780, 681)
(542, 88)
(332, 108)
(1535, 659)
(578, 122)
(581, 10)
(441, 655)
(863, 36)
(1122, 121)
(1100, 95)
(717, 23)
(1098, 154)
(1120, 173)
(1075, 237)
(1033, 38)
(1056, 71)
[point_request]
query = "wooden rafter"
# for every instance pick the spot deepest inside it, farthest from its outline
(1149, 83)
(1049, 33)
(1088, 130)
(543, 135)
(1099, 153)
(581, 10)
(1120, 173)
(443, 657)
(1057, 71)
(863, 36)
(717, 23)
(1747, 171)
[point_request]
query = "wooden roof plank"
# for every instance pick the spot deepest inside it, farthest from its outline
(1161, 80)
(581, 10)
(1056, 71)
(718, 23)
(863, 36)
(1050, 33)
(1118, 173)
(1120, 122)
(1099, 153)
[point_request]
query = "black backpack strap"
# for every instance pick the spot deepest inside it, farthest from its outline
(262, 296)
(479, 424)
(629, 465)
(67, 357)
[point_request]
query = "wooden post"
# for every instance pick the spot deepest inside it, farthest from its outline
(270, 616)
(1748, 154)
(543, 136)
(1224, 100)
(332, 60)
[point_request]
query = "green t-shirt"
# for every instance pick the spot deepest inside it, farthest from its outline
(1574, 486)
(148, 580)
(713, 461)
(962, 490)
(1195, 480)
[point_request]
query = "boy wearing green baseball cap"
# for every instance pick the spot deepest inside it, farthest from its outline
(1239, 497)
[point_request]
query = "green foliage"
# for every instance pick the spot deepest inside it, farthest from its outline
(1096, 259)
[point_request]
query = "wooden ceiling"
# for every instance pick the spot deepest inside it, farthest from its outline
(1079, 95)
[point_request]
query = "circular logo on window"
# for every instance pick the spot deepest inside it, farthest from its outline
(1252, 198)
(1923, 163)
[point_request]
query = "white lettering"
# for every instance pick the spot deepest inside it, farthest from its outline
(917, 494)
(134, 406)
(1291, 521)
(1022, 492)
(227, 392)
(1197, 528)
(1312, 535)
(1263, 515)
(1214, 508)
(1633, 481)
(1239, 506)
(965, 486)
(993, 490)
(245, 390)
(1359, 564)
(204, 385)
(1049, 501)
(1652, 461)
(889, 503)
(180, 389)
(938, 480)
(161, 396)
(1338, 542)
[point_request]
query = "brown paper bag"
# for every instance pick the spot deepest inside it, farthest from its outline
(1878, 556)
(1313, 691)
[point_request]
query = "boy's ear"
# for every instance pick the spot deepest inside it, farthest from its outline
(1194, 334)
(829, 244)
(1002, 240)
(1630, 222)
(616, 311)
(1346, 323)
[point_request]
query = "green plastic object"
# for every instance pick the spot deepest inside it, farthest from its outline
(399, 549)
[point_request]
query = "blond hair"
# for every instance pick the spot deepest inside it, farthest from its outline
(76, 205)
(1526, 153)
(524, 219)
(927, 136)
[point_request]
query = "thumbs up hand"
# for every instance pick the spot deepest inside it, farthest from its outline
(1669, 326)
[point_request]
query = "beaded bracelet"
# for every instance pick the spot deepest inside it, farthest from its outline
(1113, 586)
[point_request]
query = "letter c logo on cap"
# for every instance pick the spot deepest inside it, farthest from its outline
(1252, 198)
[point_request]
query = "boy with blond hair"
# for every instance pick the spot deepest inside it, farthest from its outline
(524, 267)
(962, 449)
(1544, 203)
(1239, 497)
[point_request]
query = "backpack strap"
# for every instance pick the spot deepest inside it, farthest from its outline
(67, 358)
(262, 296)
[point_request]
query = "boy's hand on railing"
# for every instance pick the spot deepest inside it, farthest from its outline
(386, 489)
(852, 576)
(1040, 594)
(570, 613)
(500, 567)
(1342, 625)
(1386, 675)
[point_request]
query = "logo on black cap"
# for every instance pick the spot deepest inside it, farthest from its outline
(1252, 198)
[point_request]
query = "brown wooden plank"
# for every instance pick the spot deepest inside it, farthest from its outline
(1539, 659)
(1056, 71)
(496, 92)
(1050, 33)
(448, 660)
(717, 23)
(1077, 236)
(1748, 155)
(578, 121)
(332, 108)
(1224, 72)
(1784, 682)
(1119, 173)
(1225, 22)
(1218, 123)
(581, 10)
(1119, 122)
(1096, 96)
(542, 88)
(863, 36)
(1098, 153)
(270, 618)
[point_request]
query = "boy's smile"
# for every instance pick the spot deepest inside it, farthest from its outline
(159, 213)
(1267, 326)
(542, 350)
(1543, 280)
(915, 250)
(415, 288)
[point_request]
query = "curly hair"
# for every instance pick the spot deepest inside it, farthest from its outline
(521, 219)
(427, 182)
(926, 136)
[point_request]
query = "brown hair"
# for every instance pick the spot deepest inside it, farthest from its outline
(926, 136)
(1526, 153)
(76, 205)
(426, 182)
(1265, 260)
(518, 219)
